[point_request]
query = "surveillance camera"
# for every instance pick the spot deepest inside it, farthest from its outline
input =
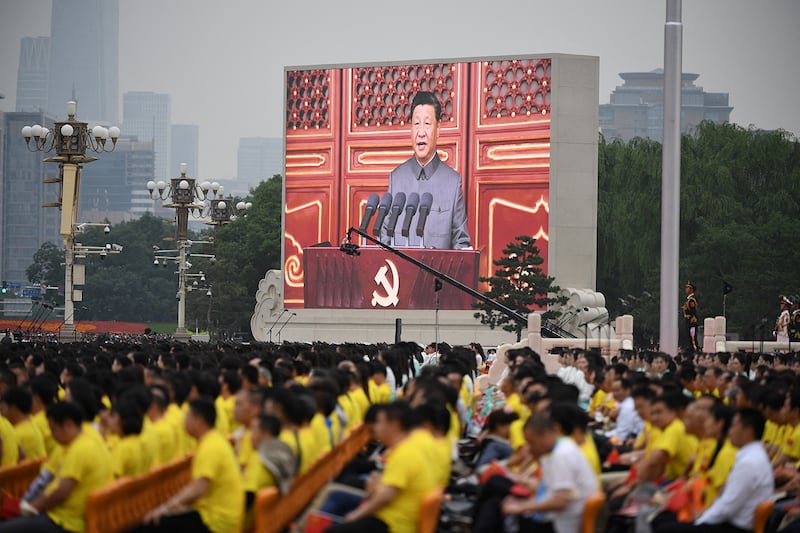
(107, 230)
(108, 246)
(103, 255)
(212, 260)
(155, 262)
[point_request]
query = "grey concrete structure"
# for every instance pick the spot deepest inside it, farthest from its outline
(33, 74)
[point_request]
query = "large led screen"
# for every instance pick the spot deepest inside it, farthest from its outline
(348, 128)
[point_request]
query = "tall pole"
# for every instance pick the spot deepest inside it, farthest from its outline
(183, 221)
(68, 328)
(671, 179)
(70, 180)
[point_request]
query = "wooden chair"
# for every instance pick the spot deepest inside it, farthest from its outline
(591, 510)
(762, 514)
(16, 479)
(429, 511)
(274, 513)
(123, 504)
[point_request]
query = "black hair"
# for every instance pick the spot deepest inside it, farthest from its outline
(435, 414)
(569, 417)
(250, 373)
(426, 98)
(204, 408)
(159, 395)
(753, 419)
(721, 412)
(269, 424)
(63, 411)
(18, 397)
(399, 411)
(499, 418)
(540, 423)
(84, 395)
(45, 387)
(130, 415)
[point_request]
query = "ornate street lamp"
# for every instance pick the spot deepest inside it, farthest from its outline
(70, 140)
(184, 194)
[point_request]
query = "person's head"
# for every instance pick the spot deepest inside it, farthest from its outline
(247, 404)
(660, 363)
(718, 422)
(664, 409)
(44, 390)
(264, 428)
(426, 112)
(16, 404)
(393, 422)
(747, 426)
(201, 417)
(710, 378)
(541, 434)
(642, 396)
(696, 415)
(65, 420)
(621, 389)
(499, 423)
(690, 287)
(126, 416)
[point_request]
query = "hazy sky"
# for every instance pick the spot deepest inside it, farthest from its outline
(222, 62)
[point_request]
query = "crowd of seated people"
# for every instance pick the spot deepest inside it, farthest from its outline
(692, 443)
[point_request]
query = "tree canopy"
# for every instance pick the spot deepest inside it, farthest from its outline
(740, 193)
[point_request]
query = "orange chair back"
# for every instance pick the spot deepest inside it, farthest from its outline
(763, 511)
(590, 512)
(429, 511)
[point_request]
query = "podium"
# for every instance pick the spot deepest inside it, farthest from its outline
(378, 279)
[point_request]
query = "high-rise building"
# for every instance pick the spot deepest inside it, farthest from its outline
(84, 57)
(109, 185)
(636, 107)
(146, 115)
(24, 224)
(258, 159)
(184, 147)
(33, 74)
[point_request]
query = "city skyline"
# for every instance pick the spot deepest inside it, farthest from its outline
(231, 85)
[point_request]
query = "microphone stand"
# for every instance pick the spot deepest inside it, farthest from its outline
(273, 324)
(284, 325)
(352, 249)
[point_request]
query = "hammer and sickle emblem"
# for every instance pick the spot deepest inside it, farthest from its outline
(392, 287)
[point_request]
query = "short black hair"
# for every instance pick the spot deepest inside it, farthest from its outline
(426, 98)
(62, 411)
(399, 411)
(204, 408)
(18, 397)
(130, 415)
(45, 387)
(540, 423)
(269, 424)
(753, 419)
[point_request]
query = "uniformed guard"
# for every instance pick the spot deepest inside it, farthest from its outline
(690, 315)
(782, 323)
(794, 323)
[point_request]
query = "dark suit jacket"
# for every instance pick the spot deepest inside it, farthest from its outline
(446, 227)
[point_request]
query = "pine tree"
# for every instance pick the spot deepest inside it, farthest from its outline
(520, 284)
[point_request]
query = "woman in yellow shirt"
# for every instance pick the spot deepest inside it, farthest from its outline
(15, 405)
(126, 454)
(724, 455)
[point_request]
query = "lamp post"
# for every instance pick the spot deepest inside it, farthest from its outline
(184, 193)
(70, 140)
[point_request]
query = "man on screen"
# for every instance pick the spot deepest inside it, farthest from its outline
(446, 226)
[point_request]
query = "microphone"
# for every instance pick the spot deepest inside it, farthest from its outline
(411, 210)
(394, 214)
(425, 203)
(383, 208)
(372, 204)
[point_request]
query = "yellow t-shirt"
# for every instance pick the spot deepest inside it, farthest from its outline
(256, 475)
(175, 415)
(598, 399)
(351, 411)
(791, 446)
(408, 470)
(770, 431)
(167, 440)
(10, 442)
(303, 445)
(647, 439)
(244, 451)
(360, 398)
(126, 457)
(589, 450)
(89, 464)
(40, 421)
(222, 506)
(454, 433)
(30, 439)
(324, 436)
(151, 446)
(514, 403)
(717, 475)
(678, 446)
(222, 423)
(228, 405)
(702, 457)
(384, 394)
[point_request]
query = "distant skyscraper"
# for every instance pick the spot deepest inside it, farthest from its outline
(184, 148)
(109, 185)
(146, 116)
(24, 224)
(636, 108)
(84, 56)
(258, 159)
(33, 74)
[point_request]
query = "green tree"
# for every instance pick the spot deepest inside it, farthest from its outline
(48, 266)
(740, 194)
(520, 284)
(245, 249)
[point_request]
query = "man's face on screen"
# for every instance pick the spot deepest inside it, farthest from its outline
(424, 132)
